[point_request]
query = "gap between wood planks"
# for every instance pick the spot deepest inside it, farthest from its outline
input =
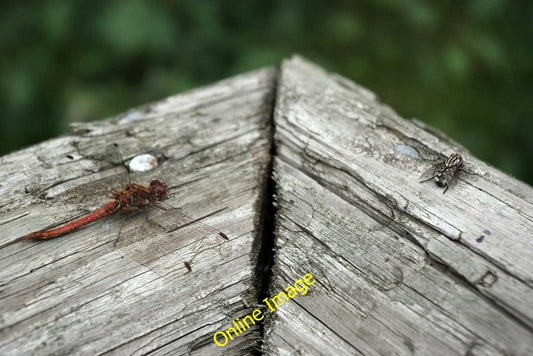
(265, 226)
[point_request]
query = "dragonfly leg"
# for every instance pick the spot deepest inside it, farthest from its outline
(119, 231)
(159, 206)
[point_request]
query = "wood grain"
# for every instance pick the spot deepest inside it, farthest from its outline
(80, 294)
(401, 268)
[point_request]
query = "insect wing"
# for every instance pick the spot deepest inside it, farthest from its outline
(429, 173)
(99, 175)
(204, 243)
(172, 238)
(149, 245)
(452, 182)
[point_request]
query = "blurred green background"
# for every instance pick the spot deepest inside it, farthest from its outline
(464, 67)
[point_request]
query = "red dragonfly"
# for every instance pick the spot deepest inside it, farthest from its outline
(132, 198)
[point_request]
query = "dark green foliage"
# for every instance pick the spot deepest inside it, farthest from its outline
(465, 67)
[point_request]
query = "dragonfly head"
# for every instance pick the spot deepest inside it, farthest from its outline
(159, 189)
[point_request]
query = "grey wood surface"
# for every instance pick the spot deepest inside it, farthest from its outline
(81, 293)
(400, 267)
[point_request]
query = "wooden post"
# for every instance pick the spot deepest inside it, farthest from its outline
(397, 267)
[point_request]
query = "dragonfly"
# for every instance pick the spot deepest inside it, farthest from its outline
(444, 173)
(132, 198)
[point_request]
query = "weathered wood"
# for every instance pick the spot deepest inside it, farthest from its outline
(400, 267)
(79, 294)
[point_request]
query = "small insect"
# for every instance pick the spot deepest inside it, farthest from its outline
(444, 172)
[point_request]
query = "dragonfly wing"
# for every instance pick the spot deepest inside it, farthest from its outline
(163, 239)
(141, 241)
(196, 234)
(172, 219)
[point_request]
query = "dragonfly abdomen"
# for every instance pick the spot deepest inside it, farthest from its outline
(106, 210)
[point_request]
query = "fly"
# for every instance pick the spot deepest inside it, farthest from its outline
(445, 172)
